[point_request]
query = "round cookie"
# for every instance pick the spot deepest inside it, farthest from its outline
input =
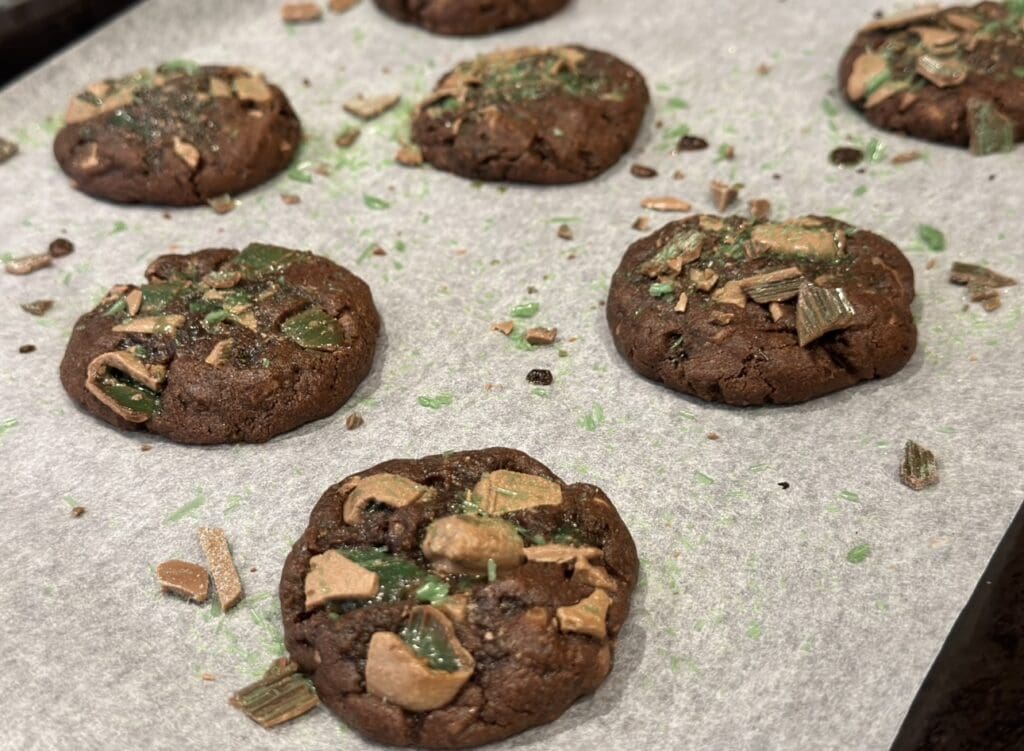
(951, 75)
(533, 115)
(754, 312)
(178, 136)
(469, 17)
(220, 346)
(459, 599)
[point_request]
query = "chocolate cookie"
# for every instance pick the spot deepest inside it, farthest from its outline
(953, 75)
(533, 115)
(178, 136)
(469, 17)
(754, 312)
(458, 599)
(220, 346)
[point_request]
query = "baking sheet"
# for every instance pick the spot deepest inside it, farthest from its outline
(751, 629)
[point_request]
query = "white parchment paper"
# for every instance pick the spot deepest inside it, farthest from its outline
(752, 629)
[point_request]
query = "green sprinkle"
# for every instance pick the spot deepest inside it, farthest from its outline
(492, 570)
(525, 310)
(377, 204)
(830, 108)
(859, 554)
(594, 419)
(849, 495)
(703, 479)
(932, 238)
(1019, 71)
(216, 316)
(874, 151)
(118, 307)
(676, 103)
(184, 66)
(755, 631)
(188, 508)
(7, 425)
(660, 290)
(435, 402)
(878, 81)
(119, 226)
(300, 175)
(860, 191)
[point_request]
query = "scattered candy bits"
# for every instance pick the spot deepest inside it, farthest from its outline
(222, 566)
(919, 469)
(301, 12)
(282, 694)
(665, 203)
(367, 108)
(982, 284)
(188, 580)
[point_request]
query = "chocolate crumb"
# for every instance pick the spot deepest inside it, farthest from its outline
(541, 336)
(368, 108)
(540, 377)
(353, 421)
(26, 348)
(723, 195)
(784, 485)
(931, 264)
(7, 149)
(846, 156)
(505, 327)
(691, 143)
(409, 156)
(77, 511)
(713, 436)
(348, 136)
(37, 307)
(906, 157)
(678, 175)
(643, 172)
(760, 208)
(300, 12)
(290, 199)
(764, 69)
(146, 447)
(565, 232)
(61, 247)
(379, 251)
(642, 223)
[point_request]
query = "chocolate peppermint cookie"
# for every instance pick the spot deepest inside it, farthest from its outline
(534, 115)
(220, 346)
(469, 17)
(953, 75)
(754, 312)
(459, 599)
(178, 136)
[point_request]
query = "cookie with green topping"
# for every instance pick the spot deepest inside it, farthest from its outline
(751, 312)
(533, 115)
(953, 75)
(458, 599)
(469, 17)
(178, 136)
(222, 346)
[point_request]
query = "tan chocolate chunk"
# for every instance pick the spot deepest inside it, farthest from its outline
(681, 303)
(354, 421)
(904, 157)
(792, 237)
(704, 279)
(252, 89)
(219, 354)
(188, 580)
(300, 12)
(151, 325)
(150, 376)
(395, 673)
(963, 21)
(464, 544)
(594, 576)
(504, 491)
(222, 566)
(28, 264)
(587, 616)
(505, 327)
(642, 224)
(220, 88)
(561, 554)
(934, 38)
(723, 195)
(866, 68)
(133, 301)
(282, 694)
(391, 490)
(978, 276)
(904, 18)
(731, 293)
(665, 203)
(942, 71)
(541, 336)
(885, 91)
(334, 577)
(760, 208)
(188, 153)
(777, 311)
(340, 6)
(367, 108)
(409, 156)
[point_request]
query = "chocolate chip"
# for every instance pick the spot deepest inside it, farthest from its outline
(784, 485)
(77, 511)
(691, 143)
(846, 156)
(540, 377)
(26, 348)
(61, 247)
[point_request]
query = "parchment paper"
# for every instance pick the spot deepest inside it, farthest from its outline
(751, 628)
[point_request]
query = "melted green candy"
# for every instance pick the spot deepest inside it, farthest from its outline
(399, 577)
(259, 260)
(157, 296)
(313, 329)
(131, 395)
(428, 640)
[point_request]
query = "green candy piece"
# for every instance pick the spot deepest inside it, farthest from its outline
(313, 329)
(258, 259)
(428, 639)
(433, 590)
(131, 396)
(188, 67)
(399, 577)
(157, 296)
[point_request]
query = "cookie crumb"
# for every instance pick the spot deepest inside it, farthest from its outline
(340, 6)
(209, 677)
(643, 172)
(691, 143)
(300, 12)
(368, 108)
(760, 209)
(541, 336)
(723, 195)
(26, 348)
(931, 264)
(146, 447)
(505, 327)
(222, 566)
(905, 157)
(642, 223)
(348, 136)
(919, 469)
(409, 156)
(188, 580)
(665, 203)
(7, 149)
(61, 247)
(565, 232)
(37, 307)
(354, 421)
(846, 156)
(540, 377)
(290, 199)
(223, 204)
(726, 152)
(784, 485)
(28, 264)
(713, 436)
(77, 511)
(764, 69)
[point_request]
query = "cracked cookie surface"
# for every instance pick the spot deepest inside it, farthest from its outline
(180, 135)
(953, 75)
(222, 346)
(755, 312)
(469, 17)
(458, 599)
(532, 114)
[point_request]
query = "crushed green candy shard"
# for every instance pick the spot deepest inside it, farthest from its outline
(281, 695)
(131, 395)
(492, 570)
(820, 310)
(435, 402)
(188, 67)
(377, 204)
(874, 151)
(780, 291)
(919, 469)
(300, 174)
(932, 238)
(859, 553)
(433, 590)
(660, 290)
(991, 131)
(158, 295)
(118, 307)
(263, 259)
(525, 310)
(314, 329)
(429, 640)
(978, 276)
(399, 577)
(215, 316)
